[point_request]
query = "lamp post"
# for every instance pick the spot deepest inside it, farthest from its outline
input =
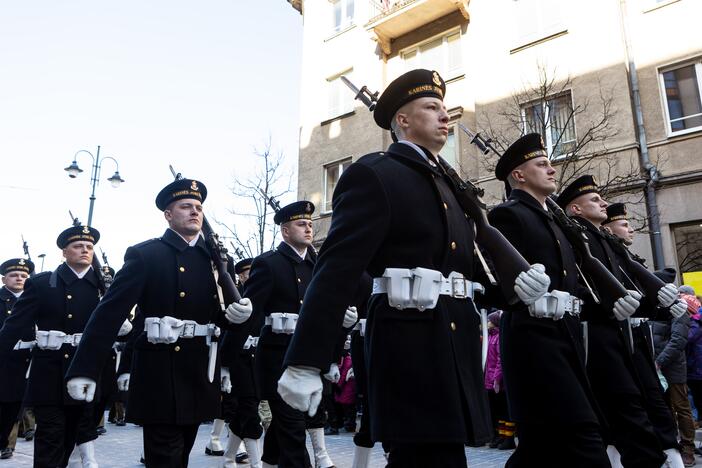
(42, 261)
(73, 172)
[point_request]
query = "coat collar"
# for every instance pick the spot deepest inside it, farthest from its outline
(531, 202)
(6, 294)
(172, 238)
(68, 277)
(288, 251)
(406, 153)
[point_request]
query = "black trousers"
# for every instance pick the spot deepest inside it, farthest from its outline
(57, 432)
(9, 414)
(427, 455)
(241, 414)
(168, 445)
(284, 444)
(556, 446)
(658, 411)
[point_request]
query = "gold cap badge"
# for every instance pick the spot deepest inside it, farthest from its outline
(194, 186)
(86, 230)
(436, 79)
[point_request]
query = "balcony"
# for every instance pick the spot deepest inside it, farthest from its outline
(390, 19)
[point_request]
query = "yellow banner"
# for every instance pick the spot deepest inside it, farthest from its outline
(694, 279)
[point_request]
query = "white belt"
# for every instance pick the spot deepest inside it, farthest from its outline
(51, 340)
(361, 327)
(637, 321)
(282, 322)
(189, 329)
(251, 341)
(420, 288)
(556, 304)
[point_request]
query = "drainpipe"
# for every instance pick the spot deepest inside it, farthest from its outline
(649, 170)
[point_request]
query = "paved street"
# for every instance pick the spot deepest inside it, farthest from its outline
(121, 448)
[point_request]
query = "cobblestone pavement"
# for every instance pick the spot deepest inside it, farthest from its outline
(121, 448)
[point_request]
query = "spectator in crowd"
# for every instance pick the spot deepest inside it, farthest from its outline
(670, 342)
(694, 348)
(503, 437)
(345, 397)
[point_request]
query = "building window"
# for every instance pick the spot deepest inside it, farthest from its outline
(681, 87)
(332, 172)
(554, 119)
(339, 96)
(343, 14)
(442, 54)
(536, 19)
(450, 150)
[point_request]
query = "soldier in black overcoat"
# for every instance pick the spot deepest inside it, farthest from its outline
(171, 279)
(59, 303)
(13, 370)
(543, 358)
(617, 223)
(610, 364)
(277, 285)
(240, 406)
(396, 217)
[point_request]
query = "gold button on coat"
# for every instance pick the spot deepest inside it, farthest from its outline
(70, 316)
(182, 269)
(65, 356)
(182, 294)
(69, 297)
(177, 348)
(445, 206)
(453, 246)
(453, 326)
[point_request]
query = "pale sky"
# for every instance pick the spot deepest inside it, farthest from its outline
(197, 84)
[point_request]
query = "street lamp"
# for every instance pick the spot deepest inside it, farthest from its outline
(42, 256)
(73, 172)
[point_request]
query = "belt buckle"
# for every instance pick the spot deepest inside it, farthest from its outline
(75, 339)
(575, 306)
(188, 331)
(459, 288)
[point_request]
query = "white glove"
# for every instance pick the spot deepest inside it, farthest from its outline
(123, 382)
(678, 308)
(125, 328)
(301, 388)
(627, 305)
(350, 317)
(532, 284)
(333, 375)
(239, 312)
(81, 388)
(667, 295)
(226, 380)
(350, 375)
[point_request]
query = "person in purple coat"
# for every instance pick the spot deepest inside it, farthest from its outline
(504, 429)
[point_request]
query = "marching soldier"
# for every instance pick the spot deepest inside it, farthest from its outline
(59, 303)
(174, 384)
(397, 218)
(610, 365)
(277, 285)
(617, 223)
(543, 358)
(13, 370)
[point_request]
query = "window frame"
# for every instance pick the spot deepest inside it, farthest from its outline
(342, 26)
(333, 114)
(547, 140)
(458, 71)
(339, 163)
(697, 63)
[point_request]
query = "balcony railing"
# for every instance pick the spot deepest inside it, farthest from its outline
(380, 8)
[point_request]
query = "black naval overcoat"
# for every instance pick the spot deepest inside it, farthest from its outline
(543, 360)
(277, 283)
(168, 382)
(53, 301)
(13, 369)
(394, 210)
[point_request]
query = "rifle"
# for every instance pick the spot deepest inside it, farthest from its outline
(507, 261)
(218, 254)
(608, 286)
(25, 247)
(104, 280)
(107, 276)
(649, 282)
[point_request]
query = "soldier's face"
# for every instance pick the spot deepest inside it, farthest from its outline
(591, 207)
(537, 175)
(14, 280)
(425, 122)
(623, 230)
(78, 254)
(298, 233)
(185, 216)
